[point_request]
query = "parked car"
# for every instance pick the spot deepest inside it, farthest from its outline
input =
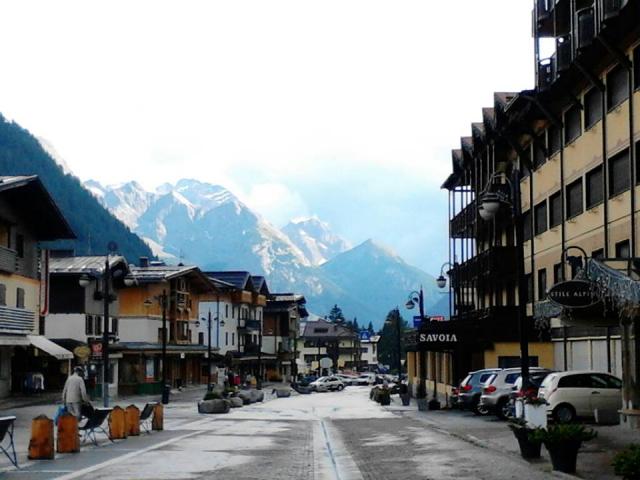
(471, 388)
(325, 384)
(347, 379)
(497, 389)
(578, 393)
(306, 381)
(366, 379)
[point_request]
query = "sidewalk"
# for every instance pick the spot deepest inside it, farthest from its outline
(594, 459)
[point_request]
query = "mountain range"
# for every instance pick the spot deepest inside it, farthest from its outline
(197, 222)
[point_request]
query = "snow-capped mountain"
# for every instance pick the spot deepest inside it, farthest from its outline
(315, 239)
(207, 225)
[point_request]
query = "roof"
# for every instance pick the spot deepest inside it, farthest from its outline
(34, 204)
(260, 284)
(238, 279)
(284, 301)
(91, 265)
(142, 346)
(164, 273)
(325, 329)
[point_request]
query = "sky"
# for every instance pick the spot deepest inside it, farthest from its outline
(343, 109)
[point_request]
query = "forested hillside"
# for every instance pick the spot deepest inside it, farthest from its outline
(94, 226)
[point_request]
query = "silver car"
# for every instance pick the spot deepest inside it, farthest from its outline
(496, 391)
(326, 384)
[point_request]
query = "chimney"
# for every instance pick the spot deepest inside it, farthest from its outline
(144, 262)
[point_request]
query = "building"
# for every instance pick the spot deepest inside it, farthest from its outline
(571, 148)
(158, 291)
(282, 317)
(76, 313)
(28, 216)
(369, 351)
(335, 341)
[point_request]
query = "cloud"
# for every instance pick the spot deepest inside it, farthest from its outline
(276, 202)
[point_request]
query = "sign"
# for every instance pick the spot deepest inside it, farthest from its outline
(417, 321)
(437, 318)
(326, 362)
(572, 294)
(365, 336)
(437, 338)
(96, 349)
(83, 352)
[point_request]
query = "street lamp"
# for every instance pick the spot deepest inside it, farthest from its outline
(389, 322)
(490, 204)
(84, 281)
(218, 325)
(162, 299)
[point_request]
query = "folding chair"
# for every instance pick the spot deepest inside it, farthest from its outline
(6, 428)
(146, 417)
(94, 424)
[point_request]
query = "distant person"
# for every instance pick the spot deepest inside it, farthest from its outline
(74, 393)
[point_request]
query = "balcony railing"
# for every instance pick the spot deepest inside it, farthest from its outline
(8, 260)
(16, 320)
(462, 224)
(247, 324)
(251, 348)
(498, 262)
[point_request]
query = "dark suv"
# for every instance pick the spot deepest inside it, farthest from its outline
(471, 388)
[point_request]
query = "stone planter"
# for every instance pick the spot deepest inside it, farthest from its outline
(213, 406)
(256, 395)
(235, 402)
(423, 404)
(245, 395)
(281, 393)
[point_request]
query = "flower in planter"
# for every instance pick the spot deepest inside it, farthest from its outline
(626, 463)
(562, 433)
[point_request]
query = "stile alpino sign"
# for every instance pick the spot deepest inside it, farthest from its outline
(573, 294)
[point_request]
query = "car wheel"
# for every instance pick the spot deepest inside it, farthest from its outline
(503, 409)
(481, 410)
(340, 387)
(564, 413)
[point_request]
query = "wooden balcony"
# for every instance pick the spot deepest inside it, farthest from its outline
(497, 262)
(8, 260)
(242, 297)
(16, 320)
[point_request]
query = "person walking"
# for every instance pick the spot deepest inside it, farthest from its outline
(74, 393)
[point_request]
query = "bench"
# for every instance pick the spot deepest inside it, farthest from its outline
(146, 416)
(94, 422)
(6, 433)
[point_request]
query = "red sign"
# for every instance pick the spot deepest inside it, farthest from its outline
(437, 318)
(96, 349)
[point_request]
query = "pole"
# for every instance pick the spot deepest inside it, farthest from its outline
(209, 352)
(165, 393)
(522, 287)
(105, 333)
(399, 334)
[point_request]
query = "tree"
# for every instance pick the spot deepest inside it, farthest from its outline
(356, 327)
(388, 344)
(370, 329)
(336, 315)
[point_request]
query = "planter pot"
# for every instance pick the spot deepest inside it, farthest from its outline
(535, 415)
(235, 402)
(283, 393)
(245, 395)
(384, 399)
(519, 408)
(423, 404)
(564, 455)
(528, 449)
(213, 406)
(406, 399)
(257, 395)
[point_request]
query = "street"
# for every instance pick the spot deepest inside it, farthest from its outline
(340, 435)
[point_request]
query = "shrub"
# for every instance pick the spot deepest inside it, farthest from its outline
(626, 463)
(563, 433)
(213, 395)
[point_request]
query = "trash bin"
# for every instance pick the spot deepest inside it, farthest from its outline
(166, 390)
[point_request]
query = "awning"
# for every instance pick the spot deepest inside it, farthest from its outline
(49, 347)
(13, 340)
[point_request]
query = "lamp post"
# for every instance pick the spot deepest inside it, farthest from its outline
(84, 282)
(162, 299)
(418, 297)
(441, 282)
(491, 202)
(219, 323)
(398, 338)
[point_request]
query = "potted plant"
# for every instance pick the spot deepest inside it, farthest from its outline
(529, 448)
(404, 394)
(421, 397)
(626, 463)
(563, 442)
(384, 396)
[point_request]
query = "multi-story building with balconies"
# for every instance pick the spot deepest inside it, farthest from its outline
(28, 216)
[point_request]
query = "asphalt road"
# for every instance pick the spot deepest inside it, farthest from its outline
(341, 435)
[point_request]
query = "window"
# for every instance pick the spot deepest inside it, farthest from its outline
(159, 335)
(233, 312)
(622, 249)
(538, 153)
(5, 234)
(555, 209)
(572, 124)
(575, 381)
(97, 330)
(88, 325)
(114, 326)
(557, 272)
(20, 245)
(594, 187)
(617, 87)
(226, 338)
(638, 161)
(201, 338)
(574, 199)
(526, 225)
(542, 284)
(226, 311)
(3, 294)
(636, 67)
(619, 173)
(540, 212)
(514, 362)
(233, 339)
(592, 107)
(20, 298)
(598, 254)
(529, 282)
(554, 140)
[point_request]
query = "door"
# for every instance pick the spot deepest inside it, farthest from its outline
(606, 393)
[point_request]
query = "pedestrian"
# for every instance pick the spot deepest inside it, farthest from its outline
(74, 393)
